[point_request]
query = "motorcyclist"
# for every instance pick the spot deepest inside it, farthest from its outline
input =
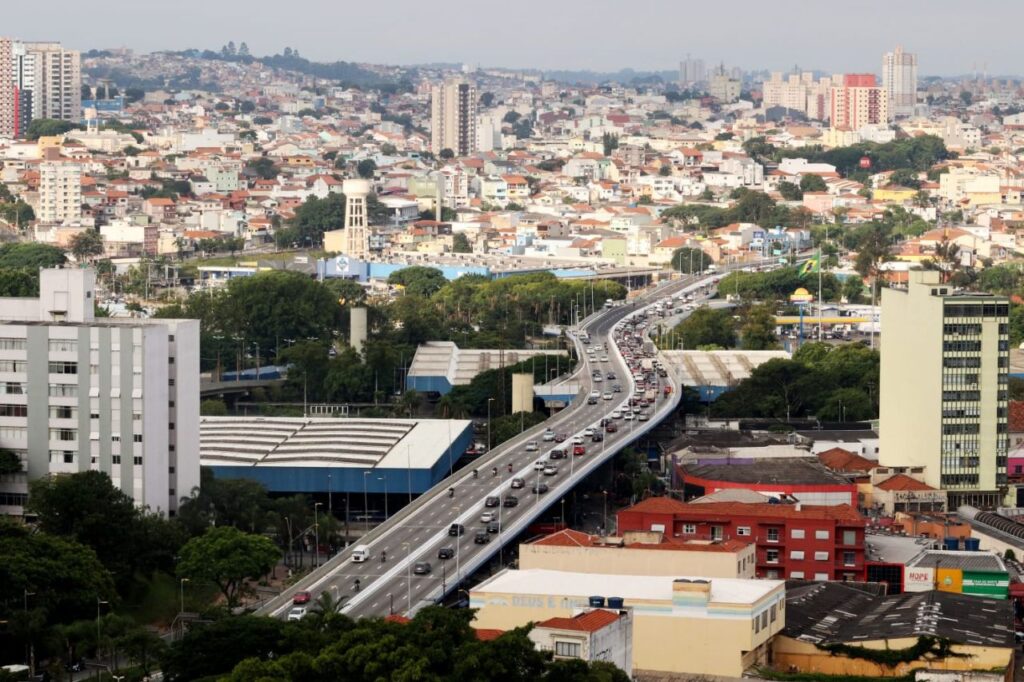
(383, 556)
(357, 585)
(510, 467)
(475, 472)
(451, 492)
(494, 471)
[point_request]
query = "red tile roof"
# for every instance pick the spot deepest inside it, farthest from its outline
(488, 634)
(903, 482)
(839, 459)
(590, 621)
(659, 505)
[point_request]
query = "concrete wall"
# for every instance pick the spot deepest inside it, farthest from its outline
(522, 392)
(639, 561)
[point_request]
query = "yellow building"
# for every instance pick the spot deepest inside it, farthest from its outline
(945, 363)
(638, 553)
(699, 626)
(877, 636)
(893, 194)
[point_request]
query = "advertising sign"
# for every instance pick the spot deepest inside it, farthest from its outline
(985, 584)
(919, 579)
(950, 580)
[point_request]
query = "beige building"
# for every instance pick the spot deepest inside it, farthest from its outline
(60, 192)
(899, 78)
(699, 626)
(638, 553)
(8, 112)
(453, 107)
(57, 81)
(945, 363)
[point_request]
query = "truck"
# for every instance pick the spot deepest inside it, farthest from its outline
(647, 364)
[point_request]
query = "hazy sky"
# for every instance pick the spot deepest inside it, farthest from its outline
(950, 36)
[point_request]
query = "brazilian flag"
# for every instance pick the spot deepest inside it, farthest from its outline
(812, 265)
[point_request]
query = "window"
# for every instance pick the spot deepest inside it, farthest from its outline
(170, 382)
(821, 556)
(796, 555)
(849, 558)
(821, 535)
(743, 530)
(797, 534)
(771, 556)
(849, 537)
(716, 532)
(19, 432)
(821, 576)
(13, 410)
(63, 368)
(63, 434)
(797, 575)
(568, 649)
(137, 438)
(137, 460)
(170, 425)
(62, 456)
(773, 535)
(94, 415)
(12, 366)
(689, 529)
(62, 412)
(12, 388)
(772, 613)
(764, 619)
(63, 391)
(115, 438)
(115, 459)
(12, 344)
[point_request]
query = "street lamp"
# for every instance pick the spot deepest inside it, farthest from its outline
(385, 479)
(316, 531)
(458, 546)
(181, 589)
(99, 603)
(489, 401)
(408, 577)
(366, 504)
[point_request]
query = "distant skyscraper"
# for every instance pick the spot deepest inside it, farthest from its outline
(692, 71)
(453, 117)
(899, 78)
(8, 92)
(858, 102)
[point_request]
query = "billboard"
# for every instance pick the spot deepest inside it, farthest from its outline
(919, 579)
(986, 584)
(950, 580)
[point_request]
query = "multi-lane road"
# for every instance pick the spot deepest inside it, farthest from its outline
(419, 532)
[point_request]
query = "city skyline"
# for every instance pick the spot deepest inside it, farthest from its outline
(650, 37)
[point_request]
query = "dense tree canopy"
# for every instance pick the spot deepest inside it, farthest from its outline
(418, 280)
(227, 557)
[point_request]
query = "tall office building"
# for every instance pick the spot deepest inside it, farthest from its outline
(945, 365)
(453, 116)
(691, 72)
(899, 78)
(858, 102)
(57, 81)
(80, 393)
(8, 92)
(60, 192)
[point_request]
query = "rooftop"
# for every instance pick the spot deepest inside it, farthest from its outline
(654, 588)
(459, 366)
(574, 538)
(588, 621)
(781, 470)
(968, 561)
(845, 461)
(837, 512)
(718, 367)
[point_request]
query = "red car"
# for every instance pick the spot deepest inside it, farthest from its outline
(578, 450)
(302, 598)
(559, 437)
(610, 427)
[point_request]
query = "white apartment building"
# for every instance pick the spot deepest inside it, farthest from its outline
(800, 92)
(899, 79)
(945, 368)
(453, 117)
(80, 393)
(60, 192)
(55, 75)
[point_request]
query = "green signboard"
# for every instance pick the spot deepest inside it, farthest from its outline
(986, 584)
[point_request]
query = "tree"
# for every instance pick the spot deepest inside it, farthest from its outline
(86, 245)
(511, 117)
(791, 192)
(316, 216)
(690, 260)
(966, 97)
(905, 177)
(247, 106)
(460, 243)
(705, 327)
(447, 154)
(388, 149)
(418, 280)
(263, 167)
(812, 183)
(211, 650)
(10, 463)
(610, 142)
(64, 576)
(48, 127)
(18, 213)
(227, 557)
(758, 329)
(486, 99)
(366, 168)
(213, 407)
(853, 288)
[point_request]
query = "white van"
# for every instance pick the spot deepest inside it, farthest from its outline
(360, 553)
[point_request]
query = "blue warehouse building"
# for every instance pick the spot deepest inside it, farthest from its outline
(334, 455)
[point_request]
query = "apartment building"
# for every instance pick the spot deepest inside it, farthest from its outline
(800, 92)
(453, 117)
(858, 102)
(899, 79)
(793, 541)
(60, 193)
(56, 81)
(944, 376)
(80, 393)
(8, 91)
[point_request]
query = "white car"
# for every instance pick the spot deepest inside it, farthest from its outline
(604, 358)
(606, 396)
(549, 435)
(297, 613)
(577, 440)
(617, 414)
(487, 517)
(588, 432)
(531, 446)
(628, 416)
(550, 470)
(598, 379)
(595, 394)
(539, 465)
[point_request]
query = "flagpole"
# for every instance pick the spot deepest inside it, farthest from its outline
(820, 264)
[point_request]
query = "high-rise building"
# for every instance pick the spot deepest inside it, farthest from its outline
(691, 72)
(723, 86)
(899, 78)
(60, 192)
(8, 91)
(80, 393)
(23, 68)
(57, 81)
(858, 102)
(945, 365)
(453, 116)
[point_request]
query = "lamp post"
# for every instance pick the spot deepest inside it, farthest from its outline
(181, 590)
(31, 650)
(408, 578)
(458, 546)
(366, 504)
(489, 401)
(385, 479)
(99, 603)
(316, 531)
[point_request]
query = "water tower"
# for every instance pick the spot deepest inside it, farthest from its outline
(357, 235)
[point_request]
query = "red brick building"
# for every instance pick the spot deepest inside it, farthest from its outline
(793, 541)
